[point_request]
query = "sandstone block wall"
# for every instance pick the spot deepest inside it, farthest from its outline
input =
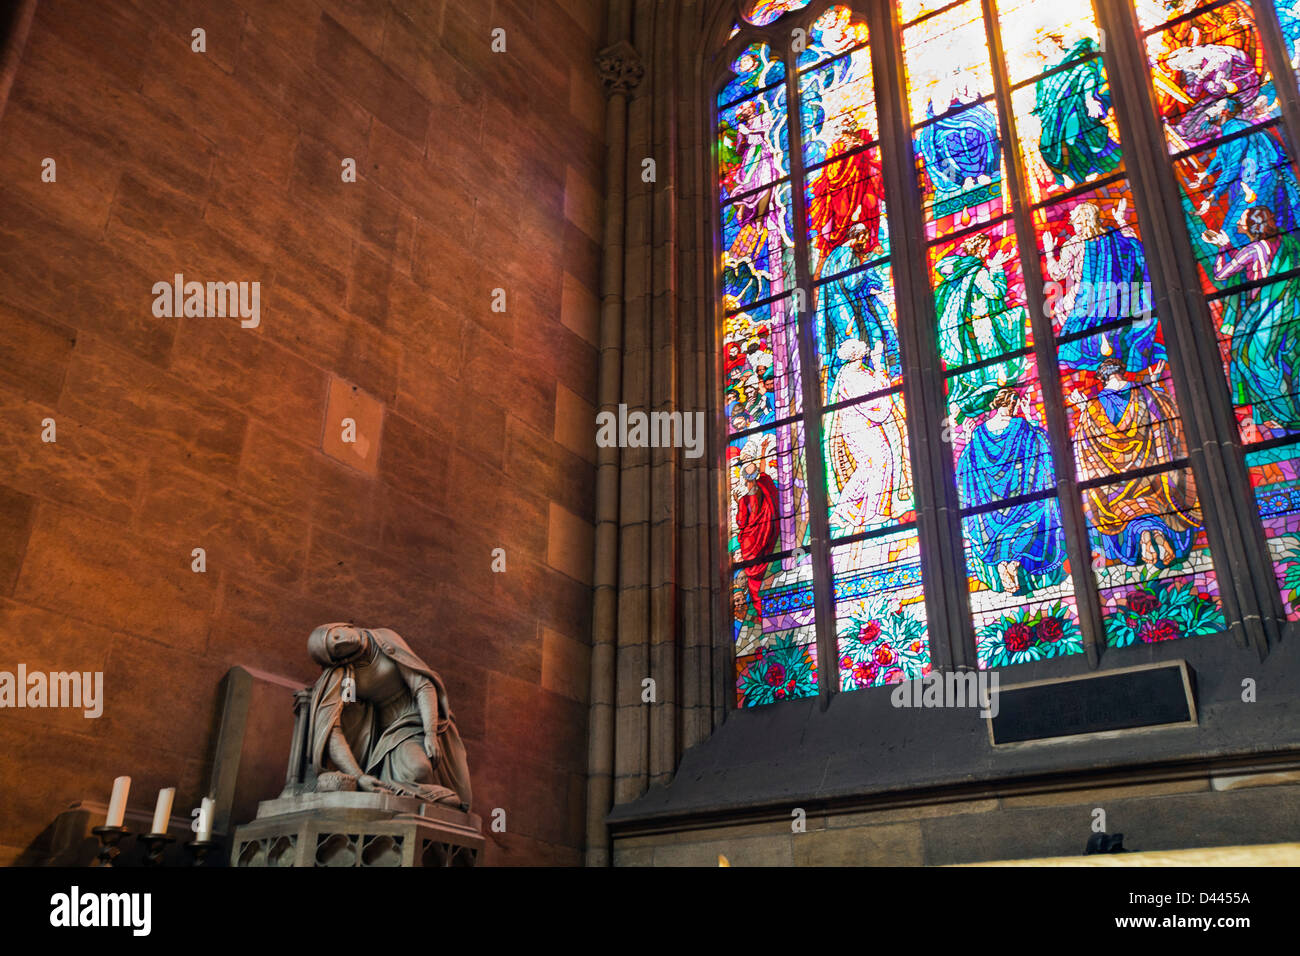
(475, 171)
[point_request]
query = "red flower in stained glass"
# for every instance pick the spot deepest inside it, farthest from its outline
(1140, 602)
(1050, 630)
(1154, 631)
(1018, 637)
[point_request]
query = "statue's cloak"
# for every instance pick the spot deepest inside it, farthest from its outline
(359, 720)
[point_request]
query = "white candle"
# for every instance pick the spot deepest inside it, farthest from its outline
(162, 811)
(205, 819)
(117, 805)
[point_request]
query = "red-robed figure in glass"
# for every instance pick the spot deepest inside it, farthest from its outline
(757, 522)
(848, 191)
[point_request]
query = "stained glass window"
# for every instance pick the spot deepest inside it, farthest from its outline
(854, 370)
(762, 12)
(1035, 330)
(1219, 108)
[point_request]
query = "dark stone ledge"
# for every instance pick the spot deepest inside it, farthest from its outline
(862, 752)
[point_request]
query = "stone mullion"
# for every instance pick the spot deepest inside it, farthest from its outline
(814, 465)
(722, 657)
(1203, 400)
(938, 516)
(1087, 598)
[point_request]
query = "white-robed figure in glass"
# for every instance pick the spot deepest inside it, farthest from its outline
(866, 447)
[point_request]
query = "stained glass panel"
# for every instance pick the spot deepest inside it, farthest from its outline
(868, 465)
(1066, 128)
(1121, 421)
(755, 69)
(838, 107)
(834, 32)
(979, 296)
(1288, 16)
(1235, 193)
(998, 431)
(856, 314)
(1021, 597)
(1201, 64)
(768, 492)
(846, 213)
(1275, 476)
(760, 366)
(1151, 559)
(880, 620)
(762, 12)
(960, 171)
(1094, 269)
(1257, 332)
(957, 145)
(752, 144)
(1039, 37)
(1240, 198)
(772, 621)
(946, 58)
(758, 248)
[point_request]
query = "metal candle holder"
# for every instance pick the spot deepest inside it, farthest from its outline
(200, 849)
(157, 844)
(109, 837)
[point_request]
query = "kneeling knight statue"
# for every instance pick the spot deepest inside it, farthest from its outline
(379, 719)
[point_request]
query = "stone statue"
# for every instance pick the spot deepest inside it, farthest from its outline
(379, 720)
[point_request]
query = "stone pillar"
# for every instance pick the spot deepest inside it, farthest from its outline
(657, 511)
(620, 70)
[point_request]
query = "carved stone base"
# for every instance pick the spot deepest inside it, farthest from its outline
(356, 829)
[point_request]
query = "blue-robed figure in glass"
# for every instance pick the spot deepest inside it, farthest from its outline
(1100, 277)
(1252, 171)
(855, 306)
(961, 147)
(1020, 548)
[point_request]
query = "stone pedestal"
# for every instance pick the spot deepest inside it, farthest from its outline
(356, 829)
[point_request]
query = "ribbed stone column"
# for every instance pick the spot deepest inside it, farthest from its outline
(620, 70)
